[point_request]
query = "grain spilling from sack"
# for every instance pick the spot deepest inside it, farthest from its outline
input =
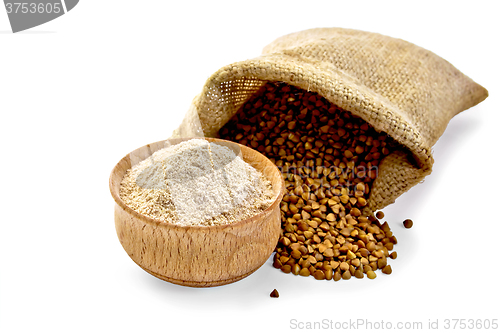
(329, 160)
(397, 87)
(196, 183)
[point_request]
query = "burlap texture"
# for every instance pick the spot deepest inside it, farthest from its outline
(398, 87)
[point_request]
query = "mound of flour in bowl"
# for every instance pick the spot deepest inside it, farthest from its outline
(196, 182)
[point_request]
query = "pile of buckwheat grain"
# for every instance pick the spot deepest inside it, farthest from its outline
(329, 159)
(196, 183)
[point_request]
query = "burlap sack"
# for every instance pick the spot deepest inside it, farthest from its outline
(399, 88)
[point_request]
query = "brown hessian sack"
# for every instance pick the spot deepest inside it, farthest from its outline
(399, 88)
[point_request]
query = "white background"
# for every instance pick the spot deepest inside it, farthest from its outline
(80, 92)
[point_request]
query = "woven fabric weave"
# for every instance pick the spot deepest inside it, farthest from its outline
(399, 88)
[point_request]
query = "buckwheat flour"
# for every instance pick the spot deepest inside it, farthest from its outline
(196, 183)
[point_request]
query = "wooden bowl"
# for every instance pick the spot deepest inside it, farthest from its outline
(198, 256)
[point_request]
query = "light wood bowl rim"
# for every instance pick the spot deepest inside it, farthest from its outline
(254, 218)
